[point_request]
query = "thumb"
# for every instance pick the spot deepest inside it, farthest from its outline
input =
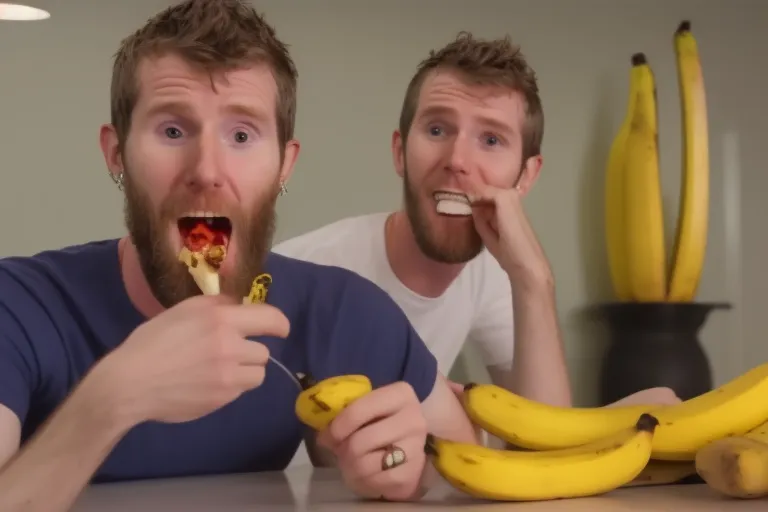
(458, 389)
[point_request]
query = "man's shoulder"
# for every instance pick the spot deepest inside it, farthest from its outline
(43, 292)
(333, 243)
(53, 268)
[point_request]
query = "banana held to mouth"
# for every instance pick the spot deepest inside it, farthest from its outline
(452, 203)
(205, 236)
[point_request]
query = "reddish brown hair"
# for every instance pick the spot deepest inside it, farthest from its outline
(485, 62)
(216, 35)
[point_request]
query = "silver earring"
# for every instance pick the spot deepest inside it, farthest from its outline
(283, 188)
(118, 180)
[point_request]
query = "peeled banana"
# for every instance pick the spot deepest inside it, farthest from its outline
(737, 466)
(318, 404)
(507, 475)
(645, 250)
(536, 426)
(691, 236)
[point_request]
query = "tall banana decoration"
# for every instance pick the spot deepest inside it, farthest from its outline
(691, 237)
(645, 255)
(634, 217)
(614, 202)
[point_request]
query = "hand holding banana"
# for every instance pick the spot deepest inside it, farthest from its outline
(376, 435)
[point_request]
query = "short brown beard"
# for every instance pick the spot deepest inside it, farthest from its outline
(462, 246)
(168, 278)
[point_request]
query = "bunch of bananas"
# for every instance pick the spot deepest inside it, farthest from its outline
(634, 216)
(566, 452)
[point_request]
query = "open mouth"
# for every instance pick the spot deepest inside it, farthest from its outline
(452, 203)
(206, 233)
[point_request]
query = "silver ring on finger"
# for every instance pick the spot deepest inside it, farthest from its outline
(393, 457)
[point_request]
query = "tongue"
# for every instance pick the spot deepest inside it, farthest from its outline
(201, 235)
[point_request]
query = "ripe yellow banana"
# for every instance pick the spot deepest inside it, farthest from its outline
(733, 409)
(320, 402)
(737, 466)
(691, 236)
(507, 475)
(645, 250)
(615, 202)
(536, 426)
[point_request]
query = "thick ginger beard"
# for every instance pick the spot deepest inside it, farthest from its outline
(168, 278)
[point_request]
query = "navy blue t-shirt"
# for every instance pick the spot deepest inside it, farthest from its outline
(62, 310)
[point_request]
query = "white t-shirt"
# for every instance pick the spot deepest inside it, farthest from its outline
(476, 307)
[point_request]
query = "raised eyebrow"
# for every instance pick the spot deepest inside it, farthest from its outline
(436, 110)
(170, 107)
(497, 125)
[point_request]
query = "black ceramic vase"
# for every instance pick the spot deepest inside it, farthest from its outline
(655, 344)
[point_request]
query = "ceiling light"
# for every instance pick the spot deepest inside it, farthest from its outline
(18, 12)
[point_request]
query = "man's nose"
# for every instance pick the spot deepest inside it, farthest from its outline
(458, 156)
(206, 168)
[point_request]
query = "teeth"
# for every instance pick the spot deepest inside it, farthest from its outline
(451, 196)
(202, 214)
(452, 207)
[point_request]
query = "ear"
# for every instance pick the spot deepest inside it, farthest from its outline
(110, 147)
(398, 157)
(292, 149)
(529, 174)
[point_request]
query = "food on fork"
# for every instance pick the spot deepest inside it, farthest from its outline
(205, 236)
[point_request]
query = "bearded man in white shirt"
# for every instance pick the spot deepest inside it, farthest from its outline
(461, 258)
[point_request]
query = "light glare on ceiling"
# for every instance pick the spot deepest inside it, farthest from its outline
(18, 12)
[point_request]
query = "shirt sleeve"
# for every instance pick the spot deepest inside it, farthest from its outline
(493, 327)
(17, 371)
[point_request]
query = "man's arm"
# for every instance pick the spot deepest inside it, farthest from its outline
(523, 348)
(539, 370)
(51, 470)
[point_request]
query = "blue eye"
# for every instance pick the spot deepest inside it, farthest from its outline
(172, 132)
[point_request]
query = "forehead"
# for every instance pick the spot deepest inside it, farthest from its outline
(448, 92)
(171, 78)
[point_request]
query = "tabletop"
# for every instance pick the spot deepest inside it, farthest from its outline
(303, 488)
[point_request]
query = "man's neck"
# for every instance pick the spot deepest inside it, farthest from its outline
(412, 267)
(135, 283)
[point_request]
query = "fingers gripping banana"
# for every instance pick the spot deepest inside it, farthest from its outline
(507, 475)
(320, 402)
(737, 466)
(537, 426)
(691, 236)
